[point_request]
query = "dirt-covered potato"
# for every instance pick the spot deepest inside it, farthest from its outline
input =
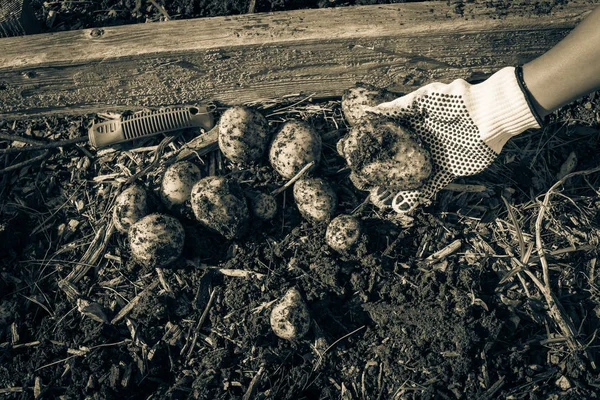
(262, 205)
(382, 153)
(315, 198)
(131, 205)
(156, 240)
(243, 135)
(219, 204)
(294, 146)
(344, 233)
(177, 183)
(290, 318)
(355, 99)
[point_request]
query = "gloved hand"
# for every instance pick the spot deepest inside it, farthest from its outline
(463, 126)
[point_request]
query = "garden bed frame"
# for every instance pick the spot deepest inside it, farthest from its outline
(257, 57)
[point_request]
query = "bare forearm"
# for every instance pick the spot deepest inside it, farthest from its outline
(569, 70)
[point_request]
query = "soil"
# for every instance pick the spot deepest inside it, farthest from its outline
(77, 14)
(394, 319)
(69, 15)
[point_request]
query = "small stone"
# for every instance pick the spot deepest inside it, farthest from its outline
(563, 383)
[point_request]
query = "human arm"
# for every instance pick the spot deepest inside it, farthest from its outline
(569, 70)
(465, 126)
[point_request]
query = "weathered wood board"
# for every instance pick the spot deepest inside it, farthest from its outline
(260, 56)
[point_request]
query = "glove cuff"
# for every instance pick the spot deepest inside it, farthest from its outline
(499, 106)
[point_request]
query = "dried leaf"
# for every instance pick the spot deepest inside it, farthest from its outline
(91, 309)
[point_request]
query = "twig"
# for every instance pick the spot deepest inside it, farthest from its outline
(200, 322)
(85, 152)
(30, 344)
(250, 392)
(236, 273)
(252, 7)
(18, 389)
(163, 281)
(282, 110)
(517, 228)
(240, 273)
(83, 352)
(200, 145)
(457, 187)
(566, 250)
(342, 338)
(445, 252)
(293, 179)
(540, 219)
(489, 394)
(125, 310)
(31, 161)
(161, 9)
(155, 160)
(556, 310)
(524, 252)
(362, 377)
(22, 139)
(93, 253)
(51, 145)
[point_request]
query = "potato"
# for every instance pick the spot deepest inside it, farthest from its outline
(243, 135)
(344, 233)
(131, 205)
(177, 183)
(294, 146)
(382, 153)
(290, 318)
(315, 199)
(354, 101)
(262, 205)
(156, 240)
(219, 205)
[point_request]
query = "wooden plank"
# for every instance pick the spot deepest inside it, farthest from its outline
(251, 57)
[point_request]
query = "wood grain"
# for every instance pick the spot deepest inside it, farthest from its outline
(251, 57)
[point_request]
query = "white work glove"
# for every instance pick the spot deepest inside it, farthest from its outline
(463, 126)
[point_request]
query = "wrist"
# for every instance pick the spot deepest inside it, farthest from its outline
(500, 108)
(532, 86)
